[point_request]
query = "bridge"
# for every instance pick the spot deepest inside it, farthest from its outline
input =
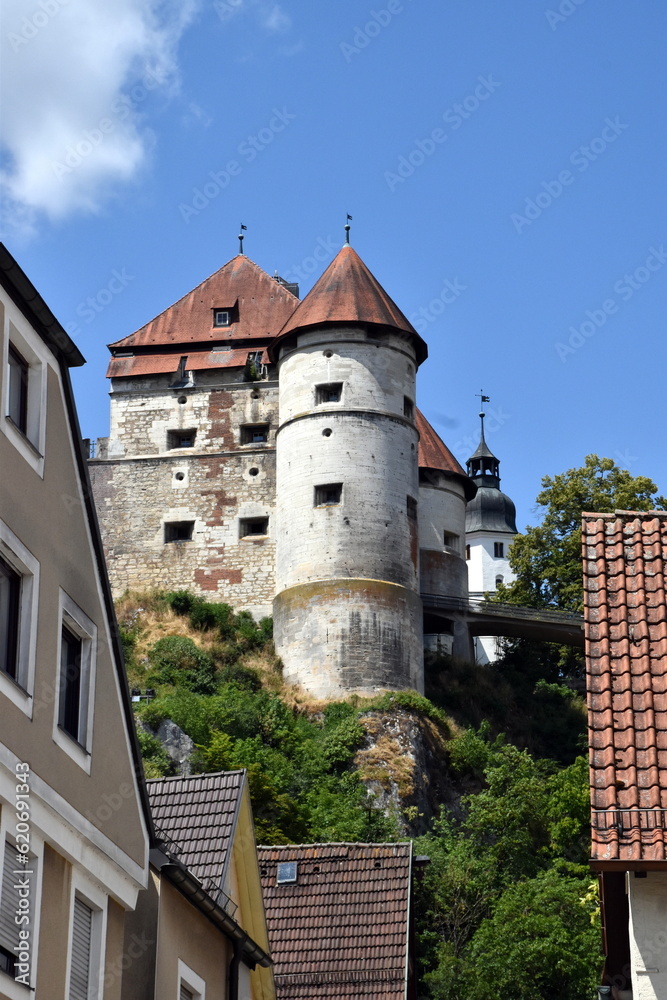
(509, 620)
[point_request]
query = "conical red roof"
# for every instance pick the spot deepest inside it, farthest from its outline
(434, 454)
(260, 304)
(347, 292)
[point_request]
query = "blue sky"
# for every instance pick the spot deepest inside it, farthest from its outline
(504, 164)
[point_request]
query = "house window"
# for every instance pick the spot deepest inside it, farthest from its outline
(329, 392)
(17, 408)
(498, 550)
(254, 433)
(408, 407)
(181, 438)
(286, 872)
(80, 980)
(77, 654)
(328, 495)
(221, 317)
(411, 504)
(253, 527)
(467, 552)
(178, 531)
(19, 588)
(10, 598)
(9, 905)
(190, 985)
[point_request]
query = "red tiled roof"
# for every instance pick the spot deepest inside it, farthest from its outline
(347, 292)
(341, 930)
(626, 665)
(199, 814)
(155, 364)
(434, 454)
(264, 306)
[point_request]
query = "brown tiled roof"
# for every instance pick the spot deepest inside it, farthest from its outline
(199, 814)
(341, 930)
(434, 454)
(262, 303)
(156, 364)
(347, 292)
(626, 664)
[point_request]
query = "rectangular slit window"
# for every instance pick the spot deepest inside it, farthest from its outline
(253, 527)
(499, 550)
(329, 392)
(18, 389)
(408, 408)
(328, 495)
(10, 602)
(71, 652)
(181, 439)
(467, 552)
(411, 505)
(178, 531)
(254, 433)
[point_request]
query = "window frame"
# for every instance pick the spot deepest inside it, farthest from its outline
(171, 524)
(222, 312)
(318, 495)
(20, 689)
(8, 985)
(179, 433)
(321, 388)
(246, 430)
(77, 622)
(498, 550)
(255, 519)
(29, 441)
(89, 895)
(15, 360)
(188, 978)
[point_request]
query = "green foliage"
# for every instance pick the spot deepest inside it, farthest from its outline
(177, 660)
(410, 701)
(157, 762)
(547, 558)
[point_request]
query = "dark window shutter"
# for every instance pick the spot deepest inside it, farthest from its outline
(186, 994)
(81, 939)
(9, 931)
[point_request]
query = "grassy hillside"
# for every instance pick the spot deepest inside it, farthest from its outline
(485, 772)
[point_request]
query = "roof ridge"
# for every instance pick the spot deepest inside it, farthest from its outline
(203, 774)
(336, 843)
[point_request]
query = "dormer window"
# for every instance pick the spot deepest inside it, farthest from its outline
(222, 317)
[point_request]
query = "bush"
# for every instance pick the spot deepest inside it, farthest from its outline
(157, 762)
(177, 660)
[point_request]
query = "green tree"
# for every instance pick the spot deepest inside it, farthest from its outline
(547, 558)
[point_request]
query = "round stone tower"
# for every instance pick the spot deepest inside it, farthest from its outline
(347, 613)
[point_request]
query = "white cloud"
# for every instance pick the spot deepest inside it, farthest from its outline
(75, 75)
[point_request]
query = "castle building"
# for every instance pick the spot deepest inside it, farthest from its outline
(268, 452)
(490, 521)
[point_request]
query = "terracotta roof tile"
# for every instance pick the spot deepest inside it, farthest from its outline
(341, 930)
(260, 305)
(626, 665)
(156, 364)
(199, 814)
(347, 292)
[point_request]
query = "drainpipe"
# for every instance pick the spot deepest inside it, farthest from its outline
(234, 972)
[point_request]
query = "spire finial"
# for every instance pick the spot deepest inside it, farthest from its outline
(483, 399)
(347, 229)
(241, 238)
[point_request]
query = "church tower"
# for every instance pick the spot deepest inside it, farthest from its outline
(347, 613)
(490, 528)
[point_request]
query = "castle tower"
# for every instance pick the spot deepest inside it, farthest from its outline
(347, 613)
(444, 490)
(490, 528)
(185, 483)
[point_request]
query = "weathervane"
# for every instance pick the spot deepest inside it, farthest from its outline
(241, 238)
(347, 229)
(483, 399)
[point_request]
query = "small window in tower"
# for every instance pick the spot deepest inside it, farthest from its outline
(181, 438)
(450, 541)
(499, 581)
(467, 552)
(254, 433)
(328, 495)
(253, 527)
(408, 408)
(499, 550)
(411, 508)
(221, 317)
(178, 531)
(329, 392)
